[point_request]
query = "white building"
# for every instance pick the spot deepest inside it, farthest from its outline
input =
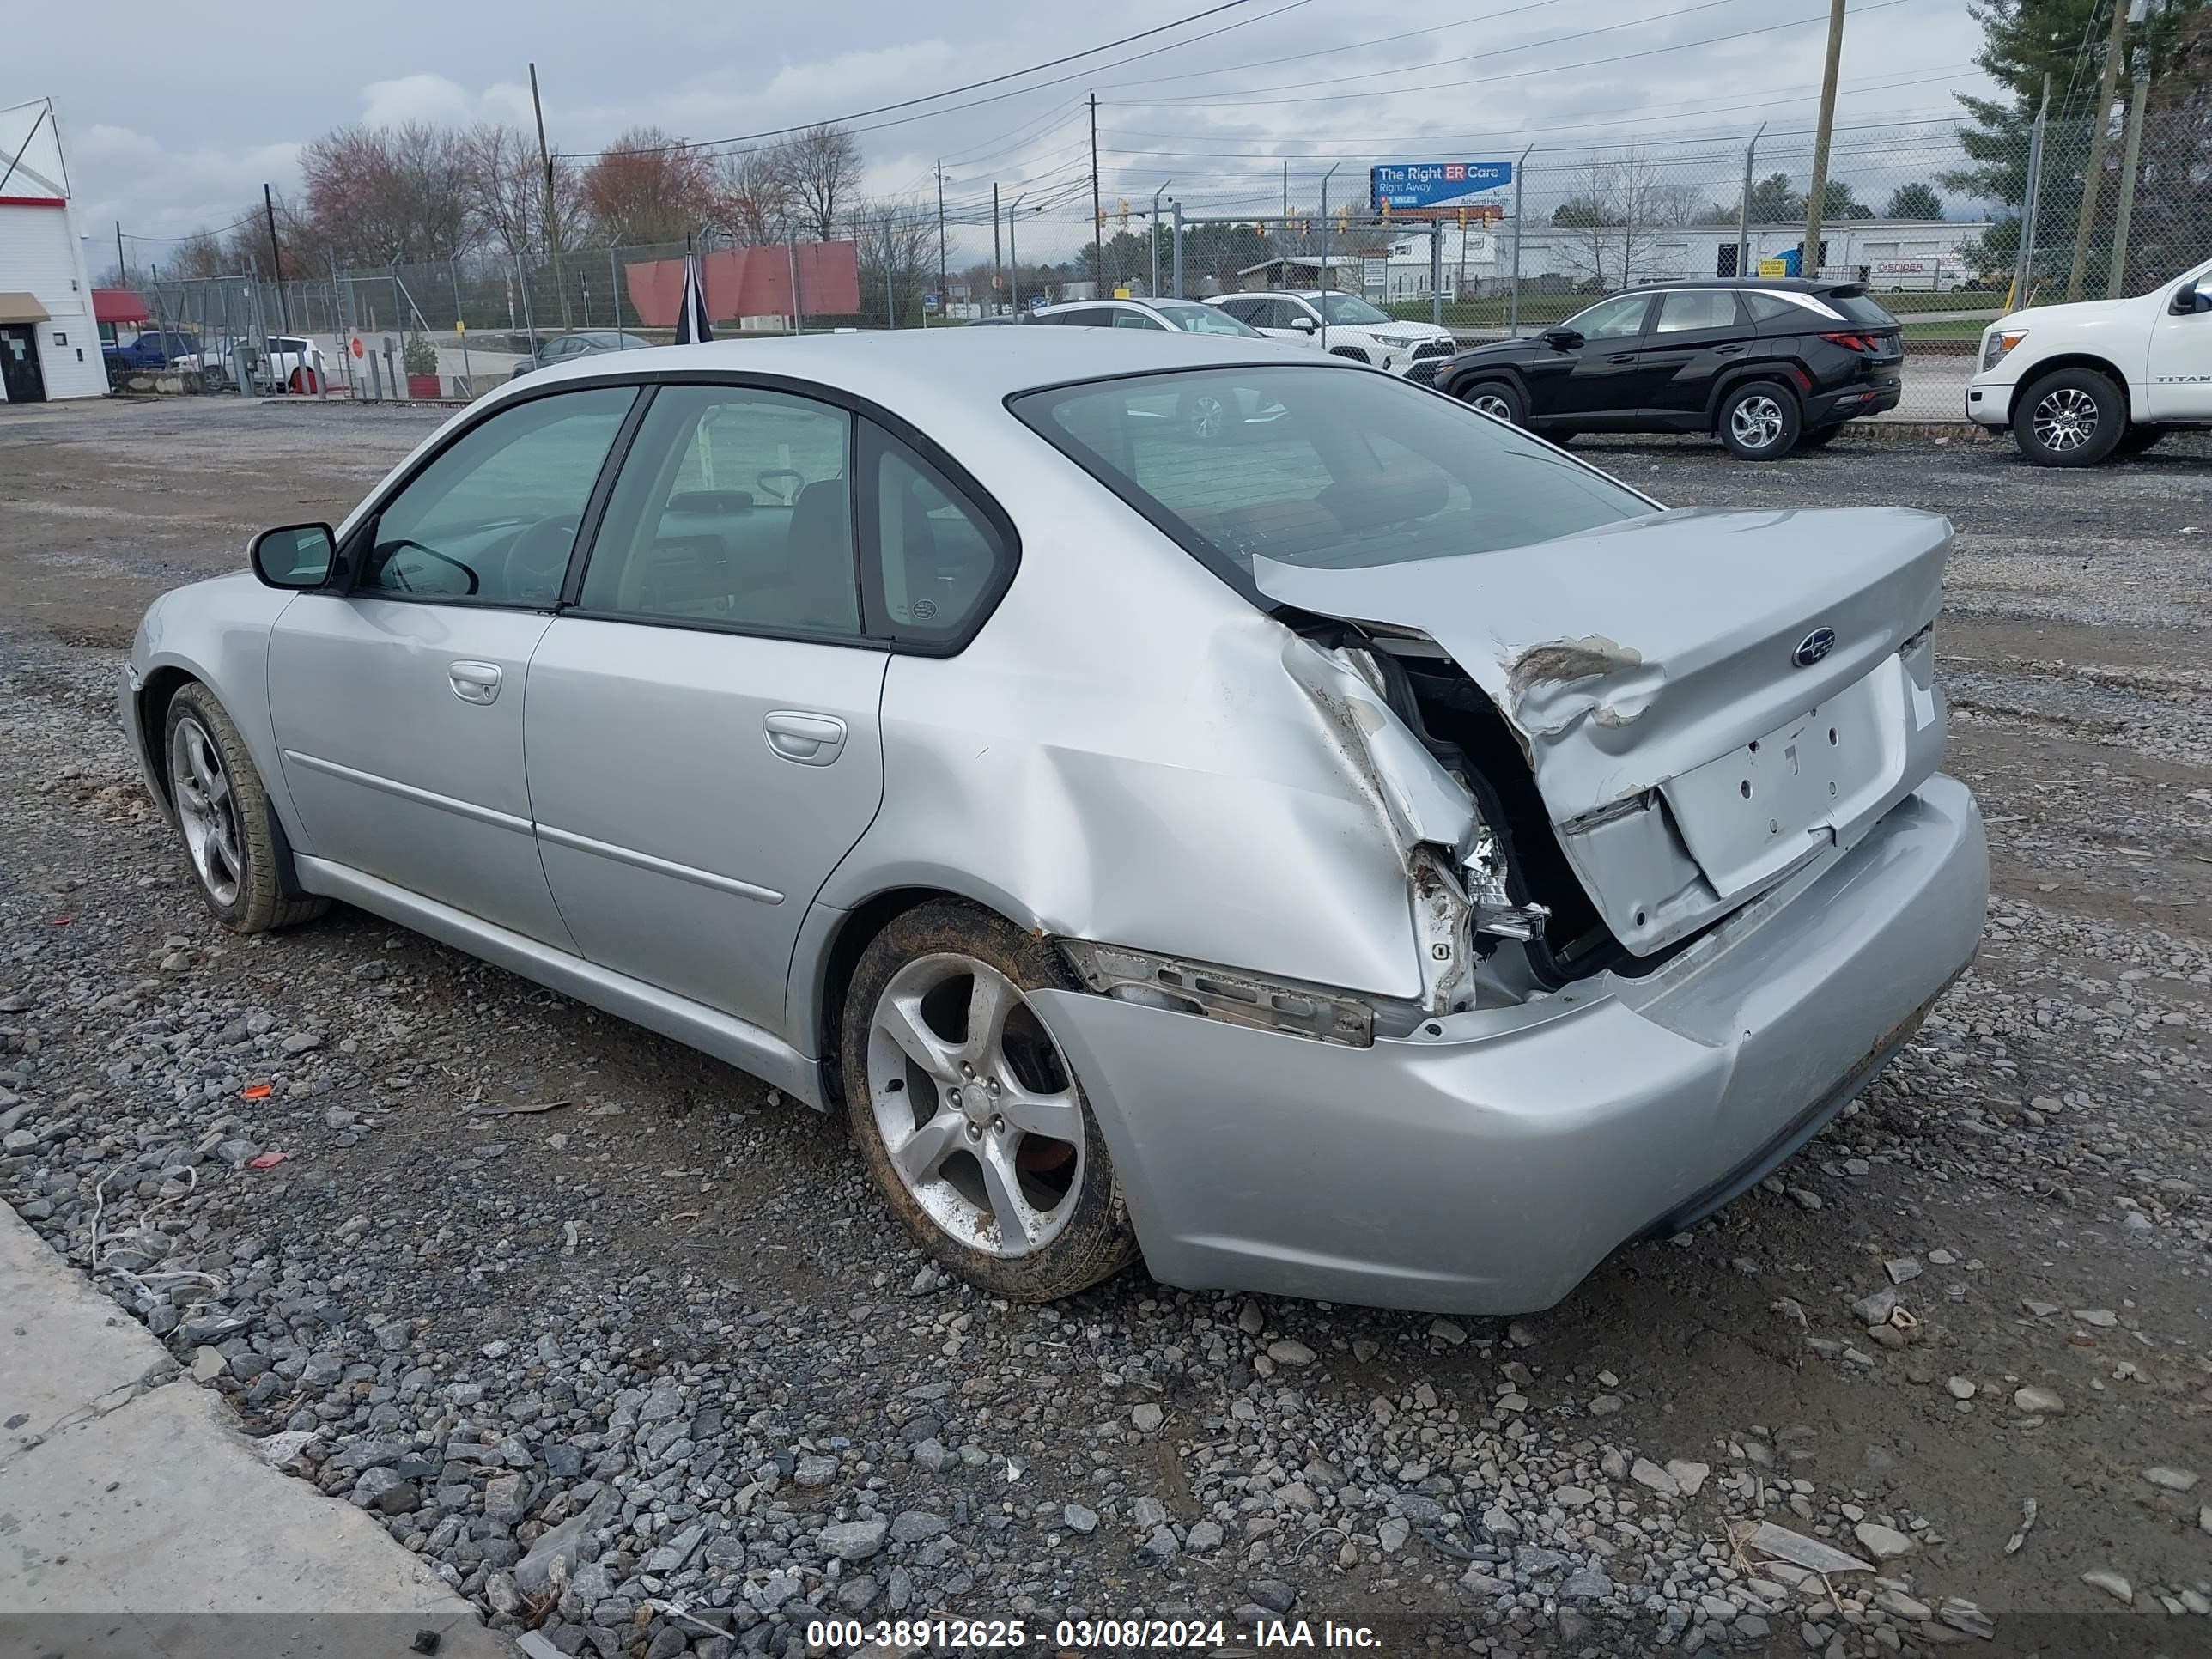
(1883, 253)
(49, 340)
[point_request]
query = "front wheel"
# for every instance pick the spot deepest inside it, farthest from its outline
(968, 1116)
(1206, 416)
(1499, 399)
(1759, 420)
(231, 835)
(2075, 417)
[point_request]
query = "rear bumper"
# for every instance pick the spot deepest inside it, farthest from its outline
(1849, 402)
(1488, 1169)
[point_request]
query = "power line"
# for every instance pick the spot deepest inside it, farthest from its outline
(1483, 80)
(972, 86)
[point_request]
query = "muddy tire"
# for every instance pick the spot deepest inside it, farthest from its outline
(240, 858)
(968, 1117)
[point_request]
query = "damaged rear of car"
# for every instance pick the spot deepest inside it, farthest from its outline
(1681, 869)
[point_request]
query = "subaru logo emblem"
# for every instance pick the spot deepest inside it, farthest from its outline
(1813, 647)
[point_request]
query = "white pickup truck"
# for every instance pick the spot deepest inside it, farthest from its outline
(2076, 382)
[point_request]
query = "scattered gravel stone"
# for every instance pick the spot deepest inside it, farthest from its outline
(854, 1540)
(1291, 1353)
(2172, 1479)
(2038, 1402)
(2111, 1584)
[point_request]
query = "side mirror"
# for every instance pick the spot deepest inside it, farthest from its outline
(1563, 339)
(297, 556)
(2195, 298)
(1303, 325)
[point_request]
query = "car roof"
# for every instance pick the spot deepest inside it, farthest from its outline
(1781, 284)
(929, 372)
(1142, 301)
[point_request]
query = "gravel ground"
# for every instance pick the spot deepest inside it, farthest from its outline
(652, 1372)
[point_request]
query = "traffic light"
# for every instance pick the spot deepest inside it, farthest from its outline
(1385, 210)
(1462, 218)
(1123, 209)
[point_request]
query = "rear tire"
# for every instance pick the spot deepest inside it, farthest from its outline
(980, 1141)
(2074, 417)
(1499, 399)
(237, 849)
(1759, 420)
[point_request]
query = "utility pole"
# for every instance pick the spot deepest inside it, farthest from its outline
(1808, 262)
(1013, 255)
(1097, 212)
(1743, 209)
(2100, 128)
(1286, 189)
(122, 265)
(2023, 273)
(552, 215)
(277, 258)
(1325, 178)
(2117, 277)
(944, 299)
(1165, 182)
(998, 272)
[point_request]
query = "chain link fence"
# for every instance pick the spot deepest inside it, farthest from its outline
(1949, 226)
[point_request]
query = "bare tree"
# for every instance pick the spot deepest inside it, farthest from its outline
(754, 189)
(1611, 221)
(388, 195)
(648, 187)
(822, 172)
(505, 189)
(897, 245)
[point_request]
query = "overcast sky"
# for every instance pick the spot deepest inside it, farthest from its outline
(172, 129)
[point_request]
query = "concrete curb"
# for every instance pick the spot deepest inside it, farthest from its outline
(138, 1520)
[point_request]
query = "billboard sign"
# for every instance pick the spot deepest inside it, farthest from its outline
(1416, 184)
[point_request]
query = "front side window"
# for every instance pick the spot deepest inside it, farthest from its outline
(1315, 466)
(733, 509)
(1692, 308)
(493, 519)
(1612, 319)
(1136, 319)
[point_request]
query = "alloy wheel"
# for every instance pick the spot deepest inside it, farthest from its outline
(1490, 404)
(2065, 419)
(976, 1105)
(1756, 422)
(1209, 416)
(207, 810)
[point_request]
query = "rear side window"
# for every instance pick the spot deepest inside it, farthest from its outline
(1866, 313)
(1765, 307)
(1693, 308)
(933, 558)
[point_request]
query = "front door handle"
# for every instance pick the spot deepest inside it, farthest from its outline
(1622, 357)
(809, 739)
(474, 682)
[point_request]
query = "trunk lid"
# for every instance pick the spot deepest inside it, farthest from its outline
(1707, 699)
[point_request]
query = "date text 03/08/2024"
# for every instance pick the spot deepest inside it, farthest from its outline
(1084, 1635)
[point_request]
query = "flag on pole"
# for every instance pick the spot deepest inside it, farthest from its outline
(691, 325)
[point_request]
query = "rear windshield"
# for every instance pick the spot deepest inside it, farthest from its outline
(1331, 467)
(1856, 304)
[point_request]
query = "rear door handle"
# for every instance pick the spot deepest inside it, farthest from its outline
(809, 739)
(474, 682)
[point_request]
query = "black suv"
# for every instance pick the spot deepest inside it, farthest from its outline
(1766, 367)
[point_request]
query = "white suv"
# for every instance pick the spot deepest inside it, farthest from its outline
(2075, 382)
(1357, 329)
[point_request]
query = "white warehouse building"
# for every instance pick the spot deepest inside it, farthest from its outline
(49, 339)
(1883, 253)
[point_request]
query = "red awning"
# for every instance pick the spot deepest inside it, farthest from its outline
(118, 304)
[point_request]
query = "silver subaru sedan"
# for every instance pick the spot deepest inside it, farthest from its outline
(1344, 847)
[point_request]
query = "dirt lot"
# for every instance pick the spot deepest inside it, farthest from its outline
(671, 1313)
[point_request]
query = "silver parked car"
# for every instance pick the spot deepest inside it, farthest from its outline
(1363, 853)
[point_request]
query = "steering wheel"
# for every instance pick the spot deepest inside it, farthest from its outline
(797, 478)
(388, 577)
(538, 558)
